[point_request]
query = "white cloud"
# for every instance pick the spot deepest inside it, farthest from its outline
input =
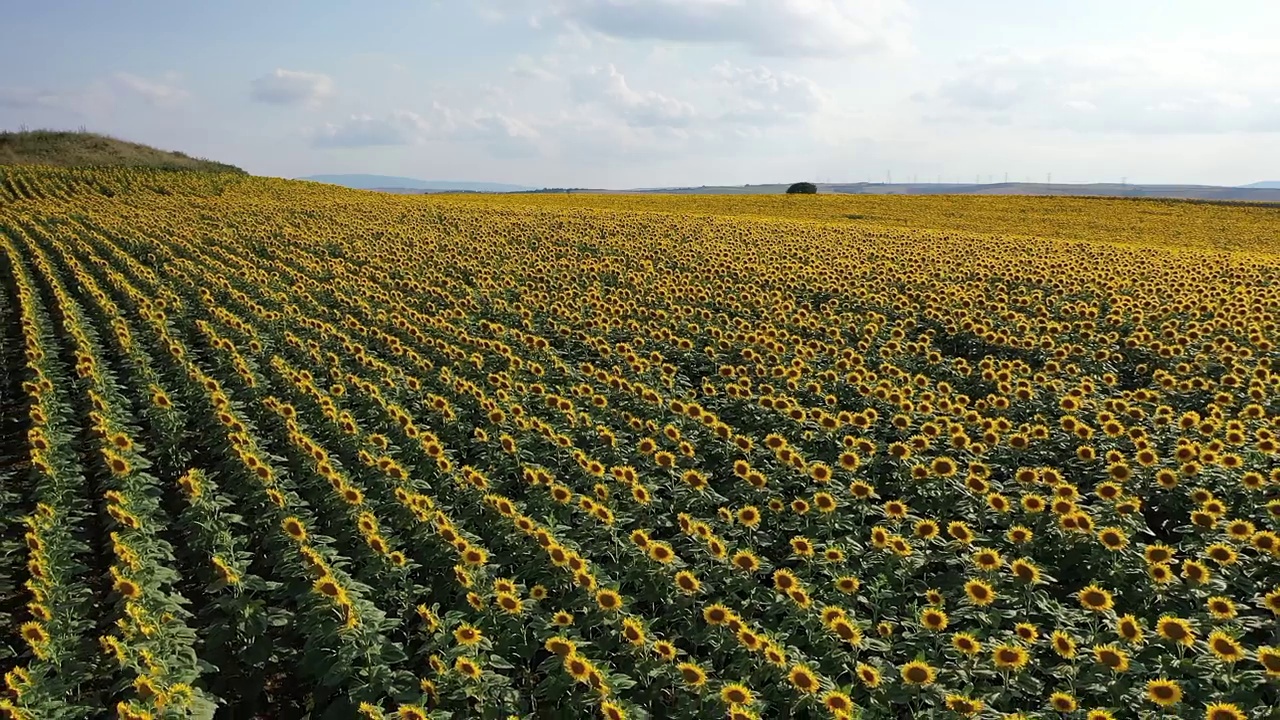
(398, 128)
(759, 96)
(502, 134)
(100, 97)
(160, 93)
(1142, 89)
(796, 28)
(608, 88)
(292, 87)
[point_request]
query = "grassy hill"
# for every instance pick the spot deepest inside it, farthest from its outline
(81, 149)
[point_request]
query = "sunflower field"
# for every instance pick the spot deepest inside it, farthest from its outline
(274, 449)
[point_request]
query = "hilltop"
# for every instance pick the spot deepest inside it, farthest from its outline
(86, 149)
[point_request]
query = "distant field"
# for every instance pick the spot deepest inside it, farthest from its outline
(275, 449)
(1181, 192)
(1165, 223)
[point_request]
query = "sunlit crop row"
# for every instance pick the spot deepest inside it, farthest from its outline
(286, 447)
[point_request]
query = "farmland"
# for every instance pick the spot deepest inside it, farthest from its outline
(278, 447)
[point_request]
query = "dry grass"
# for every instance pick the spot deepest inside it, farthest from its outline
(86, 149)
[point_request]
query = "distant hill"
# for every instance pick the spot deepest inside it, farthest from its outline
(1258, 192)
(1266, 185)
(86, 149)
(388, 183)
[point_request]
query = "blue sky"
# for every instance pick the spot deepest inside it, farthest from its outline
(627, 93)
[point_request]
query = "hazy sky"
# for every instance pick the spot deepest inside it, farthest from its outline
(625, 93)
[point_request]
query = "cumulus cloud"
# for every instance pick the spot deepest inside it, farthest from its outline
(291, 87)
(100, 96)
(502, 134)
(163, 93)
(759, 96)
(608, 87)
(795, 28)
(1156, 89)
(398, 128)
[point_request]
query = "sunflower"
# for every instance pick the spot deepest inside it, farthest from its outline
(838, 703)
(1164, 692)
(468, 635)
(1221, 608)
(510, 603)
(861, 490)
(963, 705)
(847, 631)
(784, 580)
(1063, 644)
(578, 667)
(34, 633)
(661, 552)
(1027, 632)
(960, 532)
(987, 559)
(1269, 659)
(1010, 657)
(467, 668)
(1224, 711)
(692, 675)
(849, 584)
(562, 618)
(831, 613)
(1222, 554)
(633, 632)
(1111, 656)
(801, 546)
(1113, 538)
(1062, 702)
(294, 528)
(979, 592)
(736, 694)
(608, 600)
(917, 672)
(896, 509)
(1033, 503)
(746, 561)
(1129, 628)
(869, 676)
(1099, 714)
(1225, 647)
(966, 643)
(1267, 542)
(1158, 553)
(612, 711)
(1176, 630)
(1025, 571)
(1019, 535)
(127, 588)
(934, 619)
(687, 582)
(1160, 573)
(716, 614)
(1195, 572)
(749, 516)
(803, 679)
(926, 529)
(1094, 598)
